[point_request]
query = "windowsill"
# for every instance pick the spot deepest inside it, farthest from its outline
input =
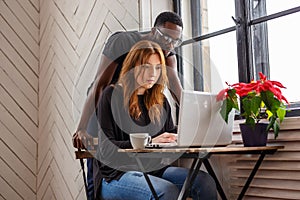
(289, 123)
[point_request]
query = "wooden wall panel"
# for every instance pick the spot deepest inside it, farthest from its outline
(72, 35)
(50, 51)
(19, 57)
(16, 133)
(18, 62)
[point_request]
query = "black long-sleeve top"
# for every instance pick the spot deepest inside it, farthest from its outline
(115, 126)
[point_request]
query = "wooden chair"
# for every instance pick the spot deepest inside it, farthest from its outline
(82, 154)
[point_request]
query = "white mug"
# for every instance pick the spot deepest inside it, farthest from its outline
(139, 140)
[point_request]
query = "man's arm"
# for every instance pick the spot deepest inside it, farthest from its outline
(103, 77)
(174, 82)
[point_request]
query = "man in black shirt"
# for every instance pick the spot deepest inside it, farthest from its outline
(167, 31)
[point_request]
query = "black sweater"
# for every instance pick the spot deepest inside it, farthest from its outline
(115, 126)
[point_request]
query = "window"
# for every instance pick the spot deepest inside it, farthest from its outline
(284, 47)
(236, 43)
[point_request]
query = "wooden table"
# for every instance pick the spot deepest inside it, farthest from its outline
(202, 155)
(199, 156)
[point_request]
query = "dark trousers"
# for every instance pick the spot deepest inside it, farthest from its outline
(90, 182)
(92, 129)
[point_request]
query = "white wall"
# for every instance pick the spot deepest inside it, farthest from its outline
(49, 55)
(19, 76)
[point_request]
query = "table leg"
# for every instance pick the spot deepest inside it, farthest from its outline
(212, 173)
(250, 178)
(151, 186)
(190, 178)
(147, 178)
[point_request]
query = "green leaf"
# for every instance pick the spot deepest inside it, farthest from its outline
(270, 101)
(228, 104)
(251, 106)
(269, 113)
(250, 121)
(267, 97)
(226, 108)
(272, 120)
(223, 110)
(232, 98)
(255, 105)
(281, 111)
(246, 103)
(276, 129)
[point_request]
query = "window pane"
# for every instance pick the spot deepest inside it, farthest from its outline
(284, 43)
(219, 15)
(268, 7)
(219, 63)
(213, 16)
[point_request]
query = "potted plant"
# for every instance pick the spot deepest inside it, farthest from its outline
(261, 99)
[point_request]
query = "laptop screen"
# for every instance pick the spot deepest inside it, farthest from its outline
(200, 123)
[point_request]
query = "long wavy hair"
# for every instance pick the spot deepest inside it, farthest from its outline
(138, 55)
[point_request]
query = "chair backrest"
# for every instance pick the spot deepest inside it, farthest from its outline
(83, 154)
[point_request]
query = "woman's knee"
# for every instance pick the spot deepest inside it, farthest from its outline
(132, 185)
(204, 187)
(167, 191)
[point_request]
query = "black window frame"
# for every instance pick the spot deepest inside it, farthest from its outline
(243, 26)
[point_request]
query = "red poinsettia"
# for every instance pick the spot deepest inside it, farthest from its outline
(258, 98)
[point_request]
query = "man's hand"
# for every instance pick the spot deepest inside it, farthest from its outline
(81, 139)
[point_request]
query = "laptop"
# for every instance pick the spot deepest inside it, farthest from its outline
(200, 123)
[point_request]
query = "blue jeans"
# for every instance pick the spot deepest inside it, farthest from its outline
(133, 186)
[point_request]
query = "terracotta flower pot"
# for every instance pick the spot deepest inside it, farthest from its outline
(254, 136)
